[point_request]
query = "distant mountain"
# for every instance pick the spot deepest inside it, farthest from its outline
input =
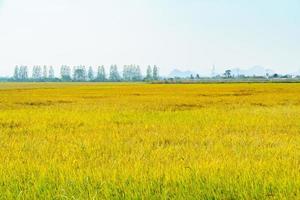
(256, 70)
(297, 73)
(180, 74)
(253, 71)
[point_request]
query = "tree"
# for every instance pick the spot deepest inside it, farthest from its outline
(138, 74)
(132, 73)
(23, 73)
(267, 75)
(101, 76)
(37, 73)
(65, 73)
(114, 74)
(197, 76)
(126, 73)
(16, 73)
(155, 73)
(91, 74)
(45, 72)
(149, 75)
(79, 73)
(227, 73)
(51, 73)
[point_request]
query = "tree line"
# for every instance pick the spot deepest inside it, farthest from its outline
(130, 73)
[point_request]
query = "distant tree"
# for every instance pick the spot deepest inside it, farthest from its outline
(149, 74)
(132, 73)
(51, 73)
(192, 77)
(79, 73)
(101, 76)
(91, 74)
(197, 76)
(45, 72)
(16, 73)
(227, 74)
(37, 73)
(114, 74)
(126, 73)
(65, 73)
(23, 73)
(155, 73)
(137, 73)
(242, 76)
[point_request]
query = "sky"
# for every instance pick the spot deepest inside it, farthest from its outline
(172, 34)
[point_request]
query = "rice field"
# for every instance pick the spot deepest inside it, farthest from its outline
(149, 141)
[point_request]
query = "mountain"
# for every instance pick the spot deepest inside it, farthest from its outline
(297, 73)
(180, 74)
(256, 70)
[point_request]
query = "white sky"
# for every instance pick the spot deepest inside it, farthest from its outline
(184, 34)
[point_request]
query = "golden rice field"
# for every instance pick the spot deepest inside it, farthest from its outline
(149, 141)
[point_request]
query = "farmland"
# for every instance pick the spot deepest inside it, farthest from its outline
(149, 141)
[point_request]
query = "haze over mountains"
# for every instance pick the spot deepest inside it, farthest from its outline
(180, 74)
(255, 70)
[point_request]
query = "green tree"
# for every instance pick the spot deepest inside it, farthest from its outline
(155, 73)
(51, 73)
(149, 74)
(65, 73)
(101, 76)
(37, 73)
(79, 73)
(91, 74)
(16, 73)
(114, 74)
(45, 72)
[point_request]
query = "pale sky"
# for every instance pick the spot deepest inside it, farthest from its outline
(183, 34)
